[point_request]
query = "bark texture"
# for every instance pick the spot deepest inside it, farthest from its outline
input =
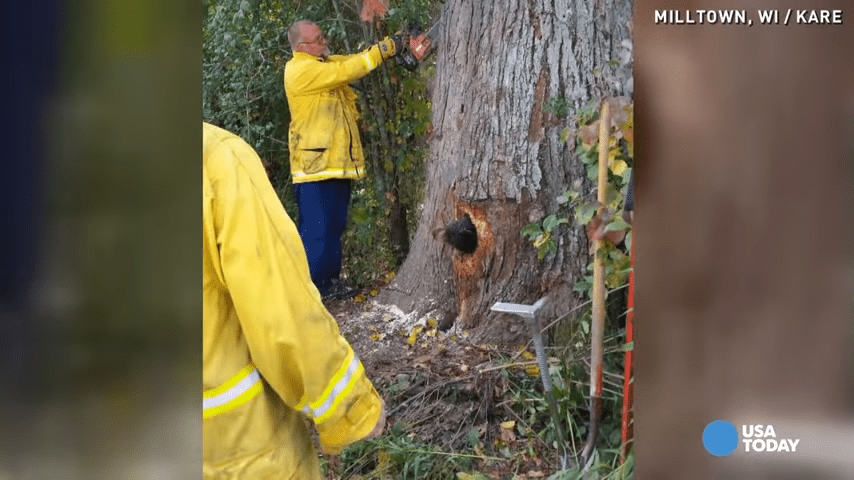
(498, 157)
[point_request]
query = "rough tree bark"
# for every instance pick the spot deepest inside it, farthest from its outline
(498, 157)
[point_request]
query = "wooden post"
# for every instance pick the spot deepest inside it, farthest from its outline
(597, 328)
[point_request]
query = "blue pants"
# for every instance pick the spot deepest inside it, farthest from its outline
(322, 218)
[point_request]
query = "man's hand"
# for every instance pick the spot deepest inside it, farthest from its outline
(391, 46)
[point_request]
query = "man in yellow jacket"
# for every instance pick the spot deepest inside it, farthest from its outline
(325, 147)
(272, 353)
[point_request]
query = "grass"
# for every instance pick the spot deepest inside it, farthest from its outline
(517, 441)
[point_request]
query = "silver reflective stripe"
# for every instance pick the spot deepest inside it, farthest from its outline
(369, 62)
(339, 387)
(232, 393)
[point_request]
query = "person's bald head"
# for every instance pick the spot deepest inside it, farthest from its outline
(305, 36)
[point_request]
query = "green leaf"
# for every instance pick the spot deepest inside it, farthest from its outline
(593, 172)
(617, 224)
(552, 221)
(531, 231)
(584, 212)
(627, 173)
(474, 437)
(612, 196)
(628, 347)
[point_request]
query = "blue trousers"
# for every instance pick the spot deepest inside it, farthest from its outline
(322, 218)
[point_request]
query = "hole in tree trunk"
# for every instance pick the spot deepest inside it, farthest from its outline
(461, 235)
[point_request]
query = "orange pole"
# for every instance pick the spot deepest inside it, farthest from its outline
(627, 431)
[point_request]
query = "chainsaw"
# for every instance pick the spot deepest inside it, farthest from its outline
(420, 45)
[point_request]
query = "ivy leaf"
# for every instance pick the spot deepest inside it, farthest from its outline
(612, 197)
(615, 279)
(582, 286)
(617, 224)
(567, 196)
(532, 231)
(541, 239)
(584, 212)
(552, 221)
(626, 174)
(593, 172)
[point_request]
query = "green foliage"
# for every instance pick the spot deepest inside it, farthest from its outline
(570, 381)
(245, 50)
(542, 235)
(397, 455)
(584, 208)
(557, 106)
(243, 60)
(600, 468)
(580, 208)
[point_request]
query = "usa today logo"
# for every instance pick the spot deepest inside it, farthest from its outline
(721, 438)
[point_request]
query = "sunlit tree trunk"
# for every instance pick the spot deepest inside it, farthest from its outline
(497, 156)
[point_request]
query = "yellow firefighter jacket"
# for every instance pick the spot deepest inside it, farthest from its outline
(271, 351)
(323, 137)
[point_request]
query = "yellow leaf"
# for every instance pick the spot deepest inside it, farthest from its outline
(527, 355)
(613, 152)
(432, 322)
(359, 299)
(618, 167)
(533, 370)
(382, 458)
(374, 292)
(414, 335)
(377, 336)
(471, 476)
(508, 424)
(390, 276)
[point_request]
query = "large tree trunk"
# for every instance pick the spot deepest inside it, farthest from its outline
(498, 157)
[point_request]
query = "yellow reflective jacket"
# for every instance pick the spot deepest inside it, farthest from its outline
(323, 137)
(270, 348)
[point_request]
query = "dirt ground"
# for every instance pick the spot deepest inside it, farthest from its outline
(440, 384)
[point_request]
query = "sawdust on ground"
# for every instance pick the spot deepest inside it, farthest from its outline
(442, 385)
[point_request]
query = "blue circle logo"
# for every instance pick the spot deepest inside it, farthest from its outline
(720, 438)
